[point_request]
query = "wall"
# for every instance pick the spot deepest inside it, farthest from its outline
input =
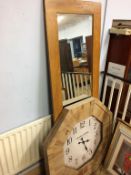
(24, 90)
(117, 9)
(23, 70)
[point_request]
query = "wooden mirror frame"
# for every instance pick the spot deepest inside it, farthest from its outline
(52, 8)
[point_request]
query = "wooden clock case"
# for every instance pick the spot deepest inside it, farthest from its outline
(71, 115)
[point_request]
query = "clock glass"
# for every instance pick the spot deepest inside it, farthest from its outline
(82, 142)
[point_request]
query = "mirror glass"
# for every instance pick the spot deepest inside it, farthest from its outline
(75, 46)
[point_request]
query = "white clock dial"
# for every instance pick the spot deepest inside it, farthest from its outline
(82, 142)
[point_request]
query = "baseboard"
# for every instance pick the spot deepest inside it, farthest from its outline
(35, 169)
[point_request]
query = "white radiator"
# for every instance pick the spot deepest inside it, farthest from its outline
(19, 148)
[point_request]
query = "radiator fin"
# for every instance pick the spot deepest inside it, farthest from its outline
(20, 147)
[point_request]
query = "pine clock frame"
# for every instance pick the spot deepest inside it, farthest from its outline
(71, 115)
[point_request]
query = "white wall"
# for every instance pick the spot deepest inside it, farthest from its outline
(116, 9)
(23, 65)
(23, 70)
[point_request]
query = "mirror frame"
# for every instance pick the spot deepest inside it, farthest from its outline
(52, 8)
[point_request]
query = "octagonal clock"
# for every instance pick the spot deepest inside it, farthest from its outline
(78, 141)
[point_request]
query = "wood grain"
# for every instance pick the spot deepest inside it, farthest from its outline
(71, 115)
(52, 8)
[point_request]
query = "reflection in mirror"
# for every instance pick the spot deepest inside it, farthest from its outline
(75, 43)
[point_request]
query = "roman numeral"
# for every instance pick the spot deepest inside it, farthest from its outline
(70, 159)
(74, 130)
(76, 161)
(89, 122)
(95, 142)
(97, 134)
(82, 124)
(84, 157)
(90, 151)
(69, 141)
(67, 151)
(95, 125)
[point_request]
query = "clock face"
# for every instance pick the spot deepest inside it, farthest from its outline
(82, 142)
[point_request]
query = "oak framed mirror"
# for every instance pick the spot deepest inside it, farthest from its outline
(73, 54)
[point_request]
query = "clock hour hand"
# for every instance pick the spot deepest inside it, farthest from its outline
(83, 142)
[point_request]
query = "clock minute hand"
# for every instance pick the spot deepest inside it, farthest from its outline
(85, 147)
(84, 143)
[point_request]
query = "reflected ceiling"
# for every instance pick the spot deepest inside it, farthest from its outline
(65, 20)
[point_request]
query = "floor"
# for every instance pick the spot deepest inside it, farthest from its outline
(102, 171)
(37, 171)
